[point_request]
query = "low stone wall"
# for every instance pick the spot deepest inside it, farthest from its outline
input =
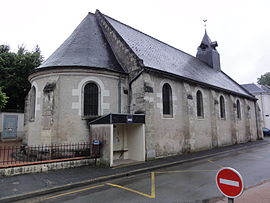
(45, 167)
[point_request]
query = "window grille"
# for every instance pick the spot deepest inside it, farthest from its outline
(91, 99)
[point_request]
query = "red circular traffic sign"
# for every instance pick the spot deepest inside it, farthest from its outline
(229, 182)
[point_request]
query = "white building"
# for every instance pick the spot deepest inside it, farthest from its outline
(262, 93)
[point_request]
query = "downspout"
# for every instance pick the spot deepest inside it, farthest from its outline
(130, 89)
(119, 94)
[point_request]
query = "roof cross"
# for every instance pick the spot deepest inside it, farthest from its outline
(205, 20)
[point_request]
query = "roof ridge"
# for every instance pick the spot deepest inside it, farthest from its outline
(153, 38)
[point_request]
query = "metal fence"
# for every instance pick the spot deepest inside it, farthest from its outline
(12, 155)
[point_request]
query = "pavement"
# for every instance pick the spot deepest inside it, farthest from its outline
(258, 194)
(31, 185)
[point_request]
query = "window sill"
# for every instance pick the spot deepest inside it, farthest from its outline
(90, 117)
(167, 116)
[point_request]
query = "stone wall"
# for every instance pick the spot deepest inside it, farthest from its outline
(59, 113)
(181, 133)
(39, 168)
(184, 131)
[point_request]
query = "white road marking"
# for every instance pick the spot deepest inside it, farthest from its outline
(229, 182)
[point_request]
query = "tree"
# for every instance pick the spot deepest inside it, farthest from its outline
(264, 79)
(14, 71)
(3, 99)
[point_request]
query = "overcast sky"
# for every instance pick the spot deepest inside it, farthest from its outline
(241, 27)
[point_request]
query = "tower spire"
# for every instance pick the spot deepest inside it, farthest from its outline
(207, 51)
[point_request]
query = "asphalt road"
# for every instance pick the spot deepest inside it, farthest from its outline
(193, 181)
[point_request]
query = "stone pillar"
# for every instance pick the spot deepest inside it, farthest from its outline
(214, 107)
(247, 120)
(258, 121)
(232, 106)
(48, 112)
(188, 113)
(26, 119)
(149, 104)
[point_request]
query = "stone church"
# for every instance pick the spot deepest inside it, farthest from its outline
(140, 97)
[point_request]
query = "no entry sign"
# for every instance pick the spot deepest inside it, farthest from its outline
(229, 182)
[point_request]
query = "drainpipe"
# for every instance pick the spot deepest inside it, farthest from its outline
(119, 94)
(129, 97)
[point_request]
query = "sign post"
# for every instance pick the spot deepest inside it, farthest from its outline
(230, 183)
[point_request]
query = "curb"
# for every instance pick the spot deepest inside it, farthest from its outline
(117, 175)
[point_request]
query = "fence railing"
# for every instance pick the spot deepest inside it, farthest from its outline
(10, 155)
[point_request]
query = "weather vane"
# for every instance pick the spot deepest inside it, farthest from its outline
(205, 20)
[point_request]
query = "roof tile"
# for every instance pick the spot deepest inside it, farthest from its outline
(161, 56)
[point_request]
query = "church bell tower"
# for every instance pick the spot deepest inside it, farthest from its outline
(207, 52)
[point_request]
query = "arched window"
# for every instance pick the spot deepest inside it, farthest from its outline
(91, 100)
(167, 99)
(222, 107)
(238, 109)
(199, 100)
(32, 104)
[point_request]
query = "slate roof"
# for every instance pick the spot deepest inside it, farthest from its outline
(160, 56)
(86, 47)
(266, 88)
(253, 88)
(206, 39)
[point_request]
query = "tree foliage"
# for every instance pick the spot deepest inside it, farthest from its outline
(14, 71)
(3, 99)
(264, 79)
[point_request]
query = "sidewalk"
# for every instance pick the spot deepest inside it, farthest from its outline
(30, 185)
(258, 194)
